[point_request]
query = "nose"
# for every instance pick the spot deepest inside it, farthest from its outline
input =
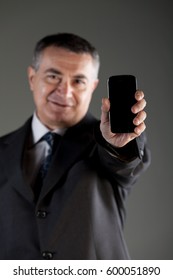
(64, 87)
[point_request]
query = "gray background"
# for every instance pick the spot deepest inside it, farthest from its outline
(133, 37)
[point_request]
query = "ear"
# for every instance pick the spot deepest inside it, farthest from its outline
(31, 75)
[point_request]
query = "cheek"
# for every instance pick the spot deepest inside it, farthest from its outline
(84, 101)
(87, 98)
(40, 93)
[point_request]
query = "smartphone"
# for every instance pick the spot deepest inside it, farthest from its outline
(121, 93)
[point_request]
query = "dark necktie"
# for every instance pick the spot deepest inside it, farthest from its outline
(51, 139)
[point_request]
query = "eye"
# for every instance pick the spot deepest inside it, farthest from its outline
(80, 83)
(53, 78)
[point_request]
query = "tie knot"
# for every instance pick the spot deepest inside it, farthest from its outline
(52, 138)
(49, 138)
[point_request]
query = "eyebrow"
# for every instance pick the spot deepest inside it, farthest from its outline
(80, 76)
(53, 70)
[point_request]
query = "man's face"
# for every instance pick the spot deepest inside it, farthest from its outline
(62, 86)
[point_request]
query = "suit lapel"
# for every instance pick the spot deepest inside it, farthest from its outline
(73, 146)
(13, 153)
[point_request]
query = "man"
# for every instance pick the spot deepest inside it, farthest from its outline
(76, 209)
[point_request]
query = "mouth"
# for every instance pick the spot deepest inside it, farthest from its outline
(60, 103)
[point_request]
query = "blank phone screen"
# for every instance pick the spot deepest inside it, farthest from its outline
(121, 90)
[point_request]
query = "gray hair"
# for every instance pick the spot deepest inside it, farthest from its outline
(66, 41)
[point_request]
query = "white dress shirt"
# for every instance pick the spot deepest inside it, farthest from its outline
(36, 151)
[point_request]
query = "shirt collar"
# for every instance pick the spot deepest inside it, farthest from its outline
(39, 129)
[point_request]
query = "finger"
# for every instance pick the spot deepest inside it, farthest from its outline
(139, 95)
(141, 116)
(105, 110)
(139, 106)
(140, 128)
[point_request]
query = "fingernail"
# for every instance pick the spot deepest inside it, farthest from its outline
(136, 121)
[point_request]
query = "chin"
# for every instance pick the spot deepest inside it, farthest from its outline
(64, 119)
(60, 122)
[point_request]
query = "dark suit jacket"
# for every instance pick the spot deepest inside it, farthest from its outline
(80, 211)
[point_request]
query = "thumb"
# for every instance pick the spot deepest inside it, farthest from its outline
(105, 110)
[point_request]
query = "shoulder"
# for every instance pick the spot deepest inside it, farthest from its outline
(9, 137)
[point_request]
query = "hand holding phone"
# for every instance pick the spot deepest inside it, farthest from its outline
(121, 92)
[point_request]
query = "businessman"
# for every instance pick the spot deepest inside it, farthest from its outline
(64, 175)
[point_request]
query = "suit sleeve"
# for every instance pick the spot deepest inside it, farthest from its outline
(124, 165)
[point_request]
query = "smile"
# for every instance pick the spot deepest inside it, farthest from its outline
(61, 104)
(60, 100)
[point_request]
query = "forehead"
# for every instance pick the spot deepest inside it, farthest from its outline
(63, 59)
